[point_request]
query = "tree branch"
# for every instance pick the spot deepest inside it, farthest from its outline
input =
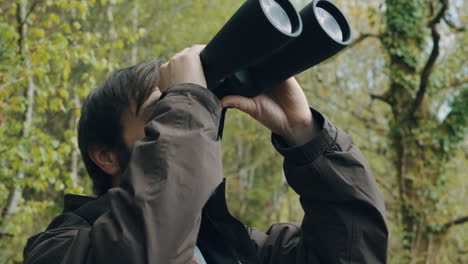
(454, 27)
(380, 98)
(22, 18)
(428, 67)
(458, 221)
(20, 28)
(440, 15)
(368, 123)
(363, 37)
(6, 235)
(31, 9)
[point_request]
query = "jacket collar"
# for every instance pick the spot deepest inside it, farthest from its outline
(89, 208)
(71, 202)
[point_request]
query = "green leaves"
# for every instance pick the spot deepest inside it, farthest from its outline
(72, 46)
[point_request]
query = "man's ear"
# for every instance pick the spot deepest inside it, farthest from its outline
(105, 158)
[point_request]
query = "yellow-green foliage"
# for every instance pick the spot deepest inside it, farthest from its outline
(69, 46)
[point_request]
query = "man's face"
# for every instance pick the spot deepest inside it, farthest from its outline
(134, 129)
(113, 160)
(134, 124)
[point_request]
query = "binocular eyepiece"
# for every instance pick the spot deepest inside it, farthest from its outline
(267, 41)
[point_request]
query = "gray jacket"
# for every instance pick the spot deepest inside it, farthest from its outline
(172, 198)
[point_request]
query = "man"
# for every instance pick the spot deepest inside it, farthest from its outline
(155, 160)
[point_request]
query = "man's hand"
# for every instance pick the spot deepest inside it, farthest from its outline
(184, 67)
(285, 111)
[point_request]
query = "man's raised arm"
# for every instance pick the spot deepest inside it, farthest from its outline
(344, 211)
(344, 218)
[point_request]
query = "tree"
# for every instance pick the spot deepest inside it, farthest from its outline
(400, 90)
(416, 114)
(422, 144)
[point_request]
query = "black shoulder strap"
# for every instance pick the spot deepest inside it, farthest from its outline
(85, 215)
(93, 209)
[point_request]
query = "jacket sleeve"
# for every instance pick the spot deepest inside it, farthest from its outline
(154, 217)
(344, 218)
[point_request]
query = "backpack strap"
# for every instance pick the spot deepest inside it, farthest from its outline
(92, 210)
(80, 211)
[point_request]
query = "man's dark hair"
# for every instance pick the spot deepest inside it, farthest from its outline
(101, 116)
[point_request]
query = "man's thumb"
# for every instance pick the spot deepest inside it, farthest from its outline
(244, 104)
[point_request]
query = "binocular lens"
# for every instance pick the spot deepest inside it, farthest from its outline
(330, 24)
(278, 16)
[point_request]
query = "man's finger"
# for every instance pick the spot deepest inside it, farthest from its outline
(198, 48)
(244, 104)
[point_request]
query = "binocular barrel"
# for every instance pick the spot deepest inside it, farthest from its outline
(253, 32)
(267, 42)
(325, 33)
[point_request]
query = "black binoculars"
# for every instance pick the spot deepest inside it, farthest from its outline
(267, 41)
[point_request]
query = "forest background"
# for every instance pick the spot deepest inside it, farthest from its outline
(400, 90)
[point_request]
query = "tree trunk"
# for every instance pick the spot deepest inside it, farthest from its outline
(134, 58)
(112, 33)
(76, 152)
(419, 156)
(15, 191)
(279, 195)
